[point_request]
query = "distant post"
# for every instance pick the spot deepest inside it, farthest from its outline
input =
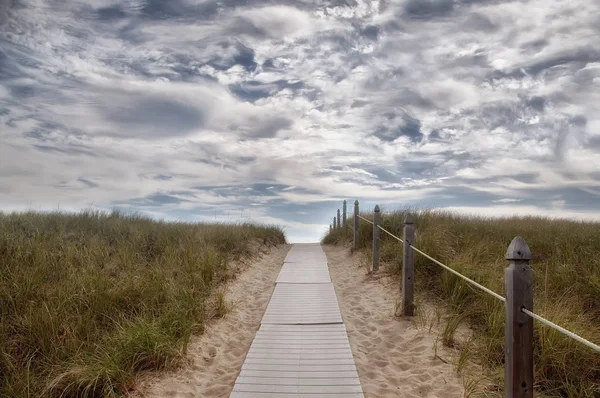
(518, 352)
(356, 221)
(376, 222)
(408, 267)
(338, 219)
(334, 226)
(344, 220)
(329, 228)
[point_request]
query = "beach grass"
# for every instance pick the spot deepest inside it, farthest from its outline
(89, 300)
(566, 264)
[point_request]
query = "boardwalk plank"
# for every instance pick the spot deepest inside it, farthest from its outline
(303, 304)
(301, 348)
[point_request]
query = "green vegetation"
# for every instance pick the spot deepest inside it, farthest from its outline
(89, 300)
(566, 263)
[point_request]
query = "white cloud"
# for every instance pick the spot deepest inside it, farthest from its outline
(507, 200)
(281, 21)
(515, 210)
(505, 99)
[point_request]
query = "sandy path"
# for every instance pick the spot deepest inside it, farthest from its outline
(394, 358)
(216, 357)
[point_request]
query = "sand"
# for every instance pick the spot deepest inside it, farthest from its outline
(395, 357)
(215, 358)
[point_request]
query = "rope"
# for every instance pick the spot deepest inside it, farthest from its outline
(390, 234)
(531, 314)
(562, 330)
(496, 295)
(361, 217)
(472, 282)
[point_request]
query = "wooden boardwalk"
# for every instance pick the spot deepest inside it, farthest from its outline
(301, 348)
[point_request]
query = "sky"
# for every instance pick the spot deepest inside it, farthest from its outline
(276, 111)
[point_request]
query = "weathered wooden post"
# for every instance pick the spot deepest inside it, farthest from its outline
(356, 225)
(408, 267)
(344, 220)
(518, 352)
(376, 222)
(338, 219)
(334, 226)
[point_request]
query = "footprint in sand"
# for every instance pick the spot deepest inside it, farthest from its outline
(423, 377)
(392, 358)
(403, 367)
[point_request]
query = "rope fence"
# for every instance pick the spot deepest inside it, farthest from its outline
(564, 331)
(365, 219)
(390, 234)
(519, 297)
(471, 281)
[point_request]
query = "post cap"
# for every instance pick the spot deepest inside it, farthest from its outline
(377, 208)
(409, 219)
(356, 202)
(344, 201)
(518, 250)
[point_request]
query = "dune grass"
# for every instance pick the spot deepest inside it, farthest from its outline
(566, 263)
(89, 300)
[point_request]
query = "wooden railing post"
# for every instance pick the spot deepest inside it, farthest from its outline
(518, 364)
(334, 226)
(338, 219)
(344, 221)
(356, 225)
(376, 222)
(408, 267)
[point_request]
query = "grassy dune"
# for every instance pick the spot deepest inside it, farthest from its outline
(566, 263)
(89, 300)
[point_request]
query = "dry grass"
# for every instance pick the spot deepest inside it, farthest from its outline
(89, 300)
(566, 263)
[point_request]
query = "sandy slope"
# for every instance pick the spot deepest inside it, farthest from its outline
(394, 358)
(215, 358)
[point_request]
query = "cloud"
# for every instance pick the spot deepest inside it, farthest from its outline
(371, 32)
(110, 13)
(506, 200)
(578, 58)
(426, 9)
(197, 110)
(254, 90)
(274, 21)
(407, 126)
(153, 116)
(525, 211)
(480, 22)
